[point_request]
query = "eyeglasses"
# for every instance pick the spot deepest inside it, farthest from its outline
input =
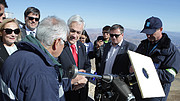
(82, 38)
(73, 31)
(32, 18)
(9, 31)
(63, 40)
(105, 32)
(65, 43)
(116, 35)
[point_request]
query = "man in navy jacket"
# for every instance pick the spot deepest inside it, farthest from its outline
(164, 54)
(33, 73)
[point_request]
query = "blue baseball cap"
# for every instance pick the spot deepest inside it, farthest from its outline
(151, 25)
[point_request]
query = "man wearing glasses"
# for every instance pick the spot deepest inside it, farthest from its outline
(31, 16)
(115, 58)
(2, 6)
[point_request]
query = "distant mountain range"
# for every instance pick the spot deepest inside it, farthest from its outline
(134, 36)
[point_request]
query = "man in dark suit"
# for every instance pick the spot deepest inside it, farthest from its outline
(115, 58)
(75, 53)
(31, 17)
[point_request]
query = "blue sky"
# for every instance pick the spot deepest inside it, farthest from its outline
(98, 13)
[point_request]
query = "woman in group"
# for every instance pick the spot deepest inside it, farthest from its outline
(86, 41)
(10, 34)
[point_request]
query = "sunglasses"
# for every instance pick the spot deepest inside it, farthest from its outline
(32, 18)
(1, 14)
(73, 31)
(9, 31)
(105, 32)
(116, 35)
(82, 38)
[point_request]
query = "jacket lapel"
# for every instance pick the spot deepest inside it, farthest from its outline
(80, 53)
(69, 53)
(121, 50)
(106, 50)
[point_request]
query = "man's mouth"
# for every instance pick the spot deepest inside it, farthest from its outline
(33, 24)
(72, 37)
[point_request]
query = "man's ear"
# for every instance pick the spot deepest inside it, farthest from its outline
(122, 34)
(161, 29)
(54, 46)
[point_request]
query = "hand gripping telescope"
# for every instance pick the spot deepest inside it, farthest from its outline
(119, 85)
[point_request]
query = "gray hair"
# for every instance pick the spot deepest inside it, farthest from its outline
(50, 29)
(76, 18)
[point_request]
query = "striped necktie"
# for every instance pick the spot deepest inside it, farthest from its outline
(32, 33)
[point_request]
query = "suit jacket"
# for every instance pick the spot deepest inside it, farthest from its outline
(23, 32)
(121, 62)
(3, 54)
(66, 59)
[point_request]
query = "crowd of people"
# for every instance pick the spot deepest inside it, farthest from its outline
(35, 57)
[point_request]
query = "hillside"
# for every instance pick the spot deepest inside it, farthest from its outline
(134, 36)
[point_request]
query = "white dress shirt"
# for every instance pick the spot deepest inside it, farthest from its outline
(28, 31)
(111, 57)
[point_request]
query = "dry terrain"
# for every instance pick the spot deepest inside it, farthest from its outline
(174, 94)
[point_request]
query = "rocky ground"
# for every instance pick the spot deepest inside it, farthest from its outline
(174, 94)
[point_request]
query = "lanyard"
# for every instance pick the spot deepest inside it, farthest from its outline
(152, 48)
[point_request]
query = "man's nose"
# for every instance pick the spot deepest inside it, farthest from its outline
(34, 20)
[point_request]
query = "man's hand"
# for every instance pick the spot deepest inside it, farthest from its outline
(131, 70)
(99, 43)
(79, 81)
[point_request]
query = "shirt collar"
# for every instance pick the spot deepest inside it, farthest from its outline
(27, 29)
(74, 44)
(119, 44)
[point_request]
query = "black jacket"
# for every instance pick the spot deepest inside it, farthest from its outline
(98, 55)
(3, 54)
(66, 60)
(121, 62)
(164, 56)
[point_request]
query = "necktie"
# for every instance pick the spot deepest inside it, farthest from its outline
(32, 33)
(75, 55)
